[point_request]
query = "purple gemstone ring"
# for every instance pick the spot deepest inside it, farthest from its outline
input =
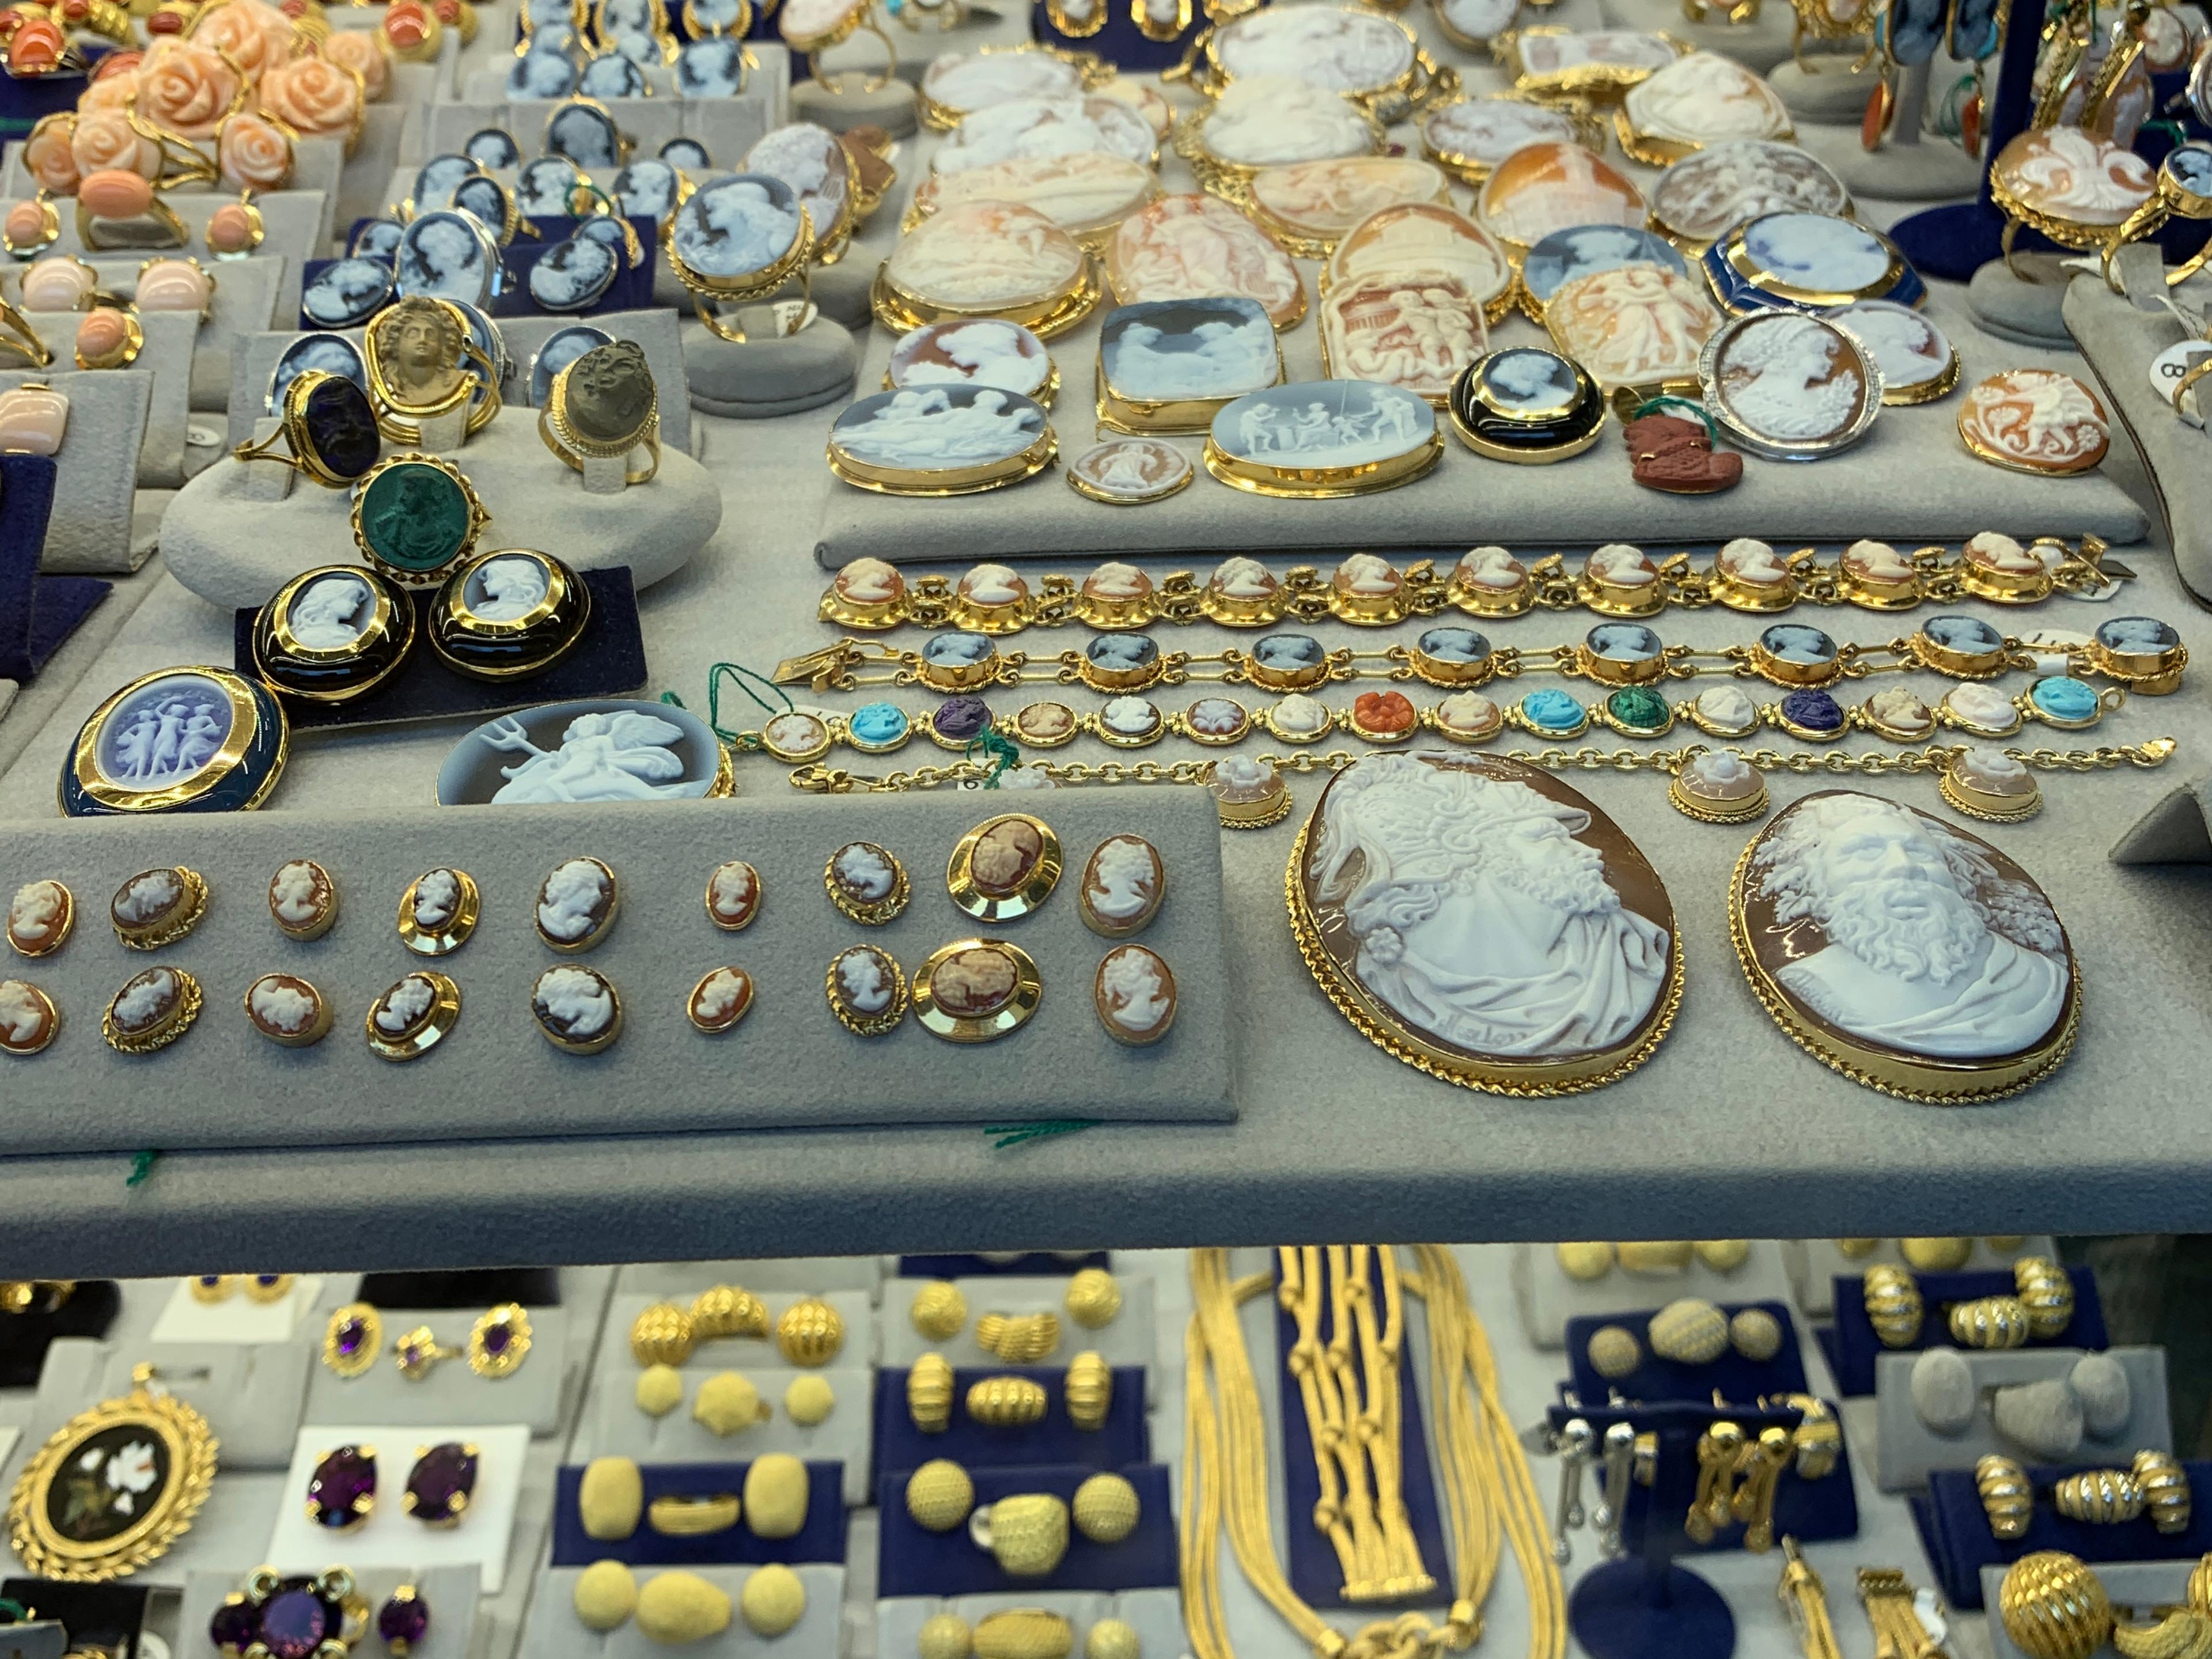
(416, 1352)
(353, 1338)
(294, 1618)
(404, 1620)
(343, 1489)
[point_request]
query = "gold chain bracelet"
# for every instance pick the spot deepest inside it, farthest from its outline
(1721, 786)
(1367, 591)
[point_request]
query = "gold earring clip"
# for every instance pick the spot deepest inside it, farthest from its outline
(1716, 1455)
(1758, 1467)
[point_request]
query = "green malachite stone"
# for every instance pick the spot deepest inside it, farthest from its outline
(415, 517)
(1637, 706)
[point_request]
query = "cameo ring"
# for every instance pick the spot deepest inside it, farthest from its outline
(2183, 190)
(328, 428)
(610, 412)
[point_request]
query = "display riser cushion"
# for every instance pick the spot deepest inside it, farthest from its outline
(292, 230)
(1155, 1614)
(554, 1632)
(1734, 1376)
(164, 363)
(1052, 1441)
(2118, 335)
(1906, 1449)
(37, 612)
(25, 1337)
(802, 371)
(893, 107)
(1851, 1346)
(1829, 96)
(2177, 830)
(1956, 1529)
(1029, 1265)
(2030, 313)
(1813, 1511)
(1466, 500)
(911, 1560)
(1631, 1609)
(608, 661)
(102, 1616)
(1759, 45)
(319, 164)
(90, 528)
(655, 330)
(1317, 1570)
(252, 1394)
(235, 551)
(1931, 170)
(484, 1287)
(494, 1077)
(622, 1430)
(841, 292)
(822, 1538)
(450, 1592)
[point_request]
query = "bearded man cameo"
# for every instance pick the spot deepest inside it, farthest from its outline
(610, 390)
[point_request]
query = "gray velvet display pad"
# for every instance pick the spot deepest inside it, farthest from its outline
(90, 531)
(617, 1428)
(246, 384)
(727, 126)
(450, 1393)
(769, 376)
(892, 106)
(1813, 1263)
(1547, 1298)
(1468, 500)
(2177, 831)
(243, 304)
(1130, 1337)
(223, 542)
(2142, 1585)
(842, 290)
(384, 136)
(164, 363)
(2013, 308)
(291, 221)
(2118, 337)
(1829, 93)
(554, 1632)
(1931, 170)
(449, 1592)
(495, 1076)
(250, 1393)
(1155, 1614)
(1906, 1449)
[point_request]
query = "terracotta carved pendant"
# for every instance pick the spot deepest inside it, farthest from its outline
(1903, 952)
(1480, 920)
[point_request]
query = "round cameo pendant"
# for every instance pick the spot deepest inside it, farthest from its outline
(1005, 868)
(1968, 992)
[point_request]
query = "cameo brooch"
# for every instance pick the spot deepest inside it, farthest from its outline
(1968, 992)
(114, 1487)
(332, 634)
(179, 740)
(867, 883)
(1571, 938)
(1005, 868)
(509, 614)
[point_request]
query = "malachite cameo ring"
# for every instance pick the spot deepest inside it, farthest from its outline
(416, 519)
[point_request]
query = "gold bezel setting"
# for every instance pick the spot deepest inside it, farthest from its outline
(186, 1453)
(426, 1030)
(1004, 1020)
(440, 939)
(1043, 874)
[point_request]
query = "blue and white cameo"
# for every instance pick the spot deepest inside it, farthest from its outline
(573, 275)
(436, 179)
(561, 348)
(689, 154)
(494, 148)
(647, 189)
(737, 224)
(547, 186)
(544, 74)
(345, 292)
(613, 74)
(1584, 250)
(375, 239)
(713, 67)
(329, 354)
(586, 135)
(446, 256)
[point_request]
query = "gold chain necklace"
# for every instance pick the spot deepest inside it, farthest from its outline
(1489, 1494)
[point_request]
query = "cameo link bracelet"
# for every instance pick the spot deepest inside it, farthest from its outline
(1366, 591)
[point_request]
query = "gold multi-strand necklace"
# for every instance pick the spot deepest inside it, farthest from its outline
(1489, 1496)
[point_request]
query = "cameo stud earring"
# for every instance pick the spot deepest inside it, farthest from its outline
(438, 912)
(352, 1340)
(867, 883)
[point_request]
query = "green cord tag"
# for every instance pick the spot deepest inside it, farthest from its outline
(997, 749)
(1660, 405)
(142, 1168)
(741, 674)
(1015, 1134)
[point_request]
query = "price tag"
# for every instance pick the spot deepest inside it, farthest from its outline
(2167, 368)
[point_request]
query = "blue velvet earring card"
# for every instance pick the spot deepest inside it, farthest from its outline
(37, 612)
(1956, 1530)
(1813, 1511)
(1316, 1568)
(1122, 1439)
(915, 1561)
(1851, 1343)
(821, 1539)
(1656, 1379)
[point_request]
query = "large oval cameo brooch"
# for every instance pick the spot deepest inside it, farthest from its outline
(178, 740)
(1905, 953)
(1481, 919)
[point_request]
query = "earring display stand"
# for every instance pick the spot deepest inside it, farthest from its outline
(291, 221)
(1155, 1614)
(164, 360)
(388, 1536)
(1547, 1298)
(1911, 164)
(1131, 1338)
(449, 1391)
(37, 612)
(1814, 1265)
(1906, 1450)
(1955, 242)
(554, 1632)
(1650, 1608)
(237, 1317)
(251, 1396)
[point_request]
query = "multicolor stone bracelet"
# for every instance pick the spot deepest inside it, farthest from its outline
(871, 596)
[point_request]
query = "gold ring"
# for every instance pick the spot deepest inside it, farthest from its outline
(416, 1352)
(692, 1517)
(18, 336)
(2189, 376)
(929, 1394)
(183, 163)
(615, 371)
